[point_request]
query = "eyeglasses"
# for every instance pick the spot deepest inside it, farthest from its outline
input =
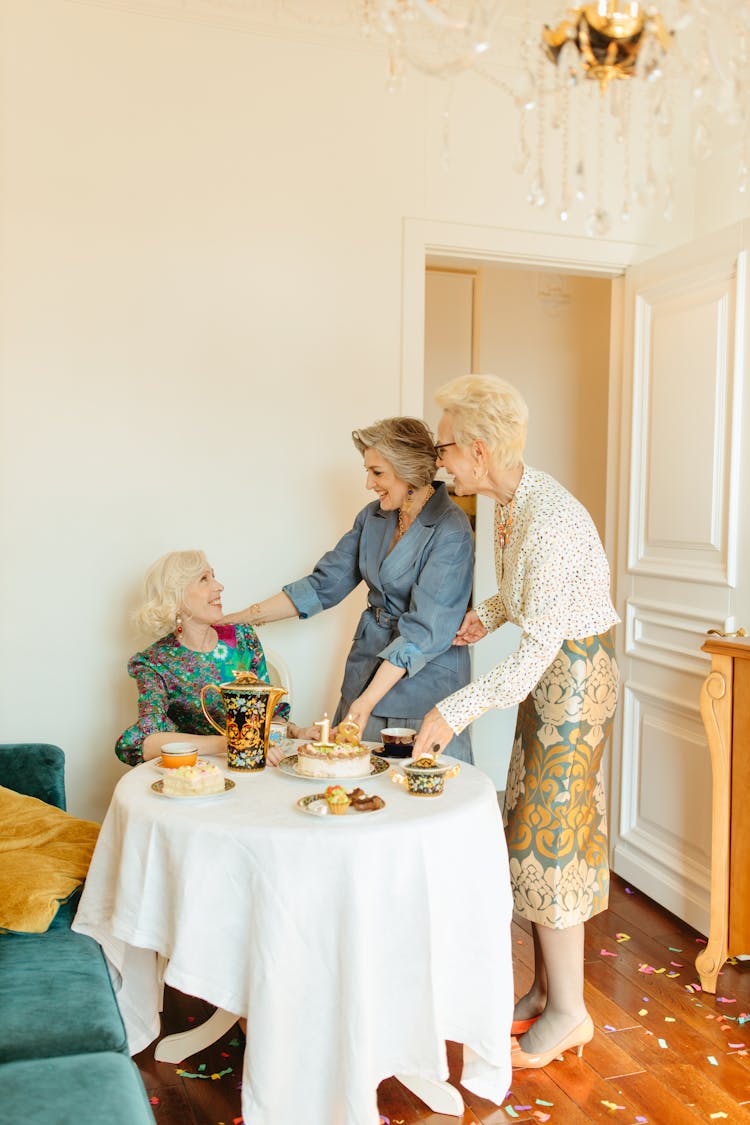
(443, 445)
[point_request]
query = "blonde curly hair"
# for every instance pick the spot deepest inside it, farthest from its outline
(164, 589)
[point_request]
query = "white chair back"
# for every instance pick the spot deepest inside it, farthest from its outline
(278, 672)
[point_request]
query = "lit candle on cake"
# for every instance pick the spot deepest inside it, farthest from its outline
(325, 728)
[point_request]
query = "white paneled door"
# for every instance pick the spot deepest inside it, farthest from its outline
(682, 554)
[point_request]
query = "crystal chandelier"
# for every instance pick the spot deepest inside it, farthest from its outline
(603, 95)
(623, 74)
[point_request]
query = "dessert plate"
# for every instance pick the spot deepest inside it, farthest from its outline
(158, 788)
(289, 765)
(316, 805)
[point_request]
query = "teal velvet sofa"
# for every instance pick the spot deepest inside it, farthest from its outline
(64, 1056)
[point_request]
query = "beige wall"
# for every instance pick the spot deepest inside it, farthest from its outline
(201, 235)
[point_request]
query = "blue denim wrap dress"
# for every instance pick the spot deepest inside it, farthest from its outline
(418, 595)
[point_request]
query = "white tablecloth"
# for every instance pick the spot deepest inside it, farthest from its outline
(355, 946)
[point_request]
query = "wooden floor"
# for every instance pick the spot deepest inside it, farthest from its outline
(663, 1054)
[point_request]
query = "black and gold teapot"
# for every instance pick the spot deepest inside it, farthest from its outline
(249, 704)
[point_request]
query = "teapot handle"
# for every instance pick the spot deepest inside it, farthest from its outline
(211, 687)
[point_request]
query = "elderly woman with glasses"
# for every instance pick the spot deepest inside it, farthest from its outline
(553, 582)
(413, 548)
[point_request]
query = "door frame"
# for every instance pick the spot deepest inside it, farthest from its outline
(452, 244)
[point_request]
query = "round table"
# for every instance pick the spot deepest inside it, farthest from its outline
(354, 946)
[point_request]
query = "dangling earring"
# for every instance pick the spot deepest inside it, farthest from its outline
(178, 624)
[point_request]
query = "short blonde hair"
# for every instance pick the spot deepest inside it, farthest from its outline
(407, 443)
(488, 409)
(165, 584)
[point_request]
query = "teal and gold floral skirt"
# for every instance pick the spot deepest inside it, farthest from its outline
(555, 812)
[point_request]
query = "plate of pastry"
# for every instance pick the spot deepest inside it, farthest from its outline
(338, 803)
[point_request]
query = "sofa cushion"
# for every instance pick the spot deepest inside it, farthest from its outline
(76, 1090)
(44, 856)
(34, 768)
(56, 997)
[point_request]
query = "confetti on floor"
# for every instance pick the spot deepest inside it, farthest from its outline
(606, 953)
(663, 1044)
(612, 1105)
(712, 1060)
(540, 1101)
(623, 937)
(510, 1111)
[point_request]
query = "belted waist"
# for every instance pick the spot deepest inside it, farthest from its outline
(387, 620)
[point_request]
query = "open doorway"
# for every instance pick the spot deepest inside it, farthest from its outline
(549, 334)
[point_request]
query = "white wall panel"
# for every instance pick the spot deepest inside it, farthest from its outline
(682, 388)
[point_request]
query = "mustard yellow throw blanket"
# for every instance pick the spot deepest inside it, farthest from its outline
(44, 855)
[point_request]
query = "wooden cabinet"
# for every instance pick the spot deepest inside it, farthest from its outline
(725, 707)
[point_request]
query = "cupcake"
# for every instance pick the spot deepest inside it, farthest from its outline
(338, 799)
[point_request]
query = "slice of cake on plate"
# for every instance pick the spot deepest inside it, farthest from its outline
(200, 780)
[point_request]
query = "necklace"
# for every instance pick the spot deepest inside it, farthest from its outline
(402, 526)
(504, 527)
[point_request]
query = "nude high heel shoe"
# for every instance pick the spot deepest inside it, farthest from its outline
(578, 1037)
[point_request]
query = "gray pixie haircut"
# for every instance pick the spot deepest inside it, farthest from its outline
(164, 591)
(488, 409)
(407, 443)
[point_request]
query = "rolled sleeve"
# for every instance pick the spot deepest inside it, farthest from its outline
(404, 655)
(303, 594)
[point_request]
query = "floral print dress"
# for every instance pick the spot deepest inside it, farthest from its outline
(170, 677)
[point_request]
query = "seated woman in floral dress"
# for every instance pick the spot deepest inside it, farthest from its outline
(182, 608)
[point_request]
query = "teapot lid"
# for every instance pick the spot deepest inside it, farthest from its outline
(245, 678)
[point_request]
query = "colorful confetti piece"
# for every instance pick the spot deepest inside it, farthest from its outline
(612, 1105)
(606, 953)
(541, 1116)
(662, 1043)
(541, 1101)
(725, 1000)
(623, 937)
(719, 1113)
(510, 1111)
(643, 1012)
(712, 1060)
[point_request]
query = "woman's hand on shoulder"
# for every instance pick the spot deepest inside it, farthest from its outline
(471, 629)
(242, 617)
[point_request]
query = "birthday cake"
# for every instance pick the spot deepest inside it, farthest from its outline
(199, 780)
(344, 757)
